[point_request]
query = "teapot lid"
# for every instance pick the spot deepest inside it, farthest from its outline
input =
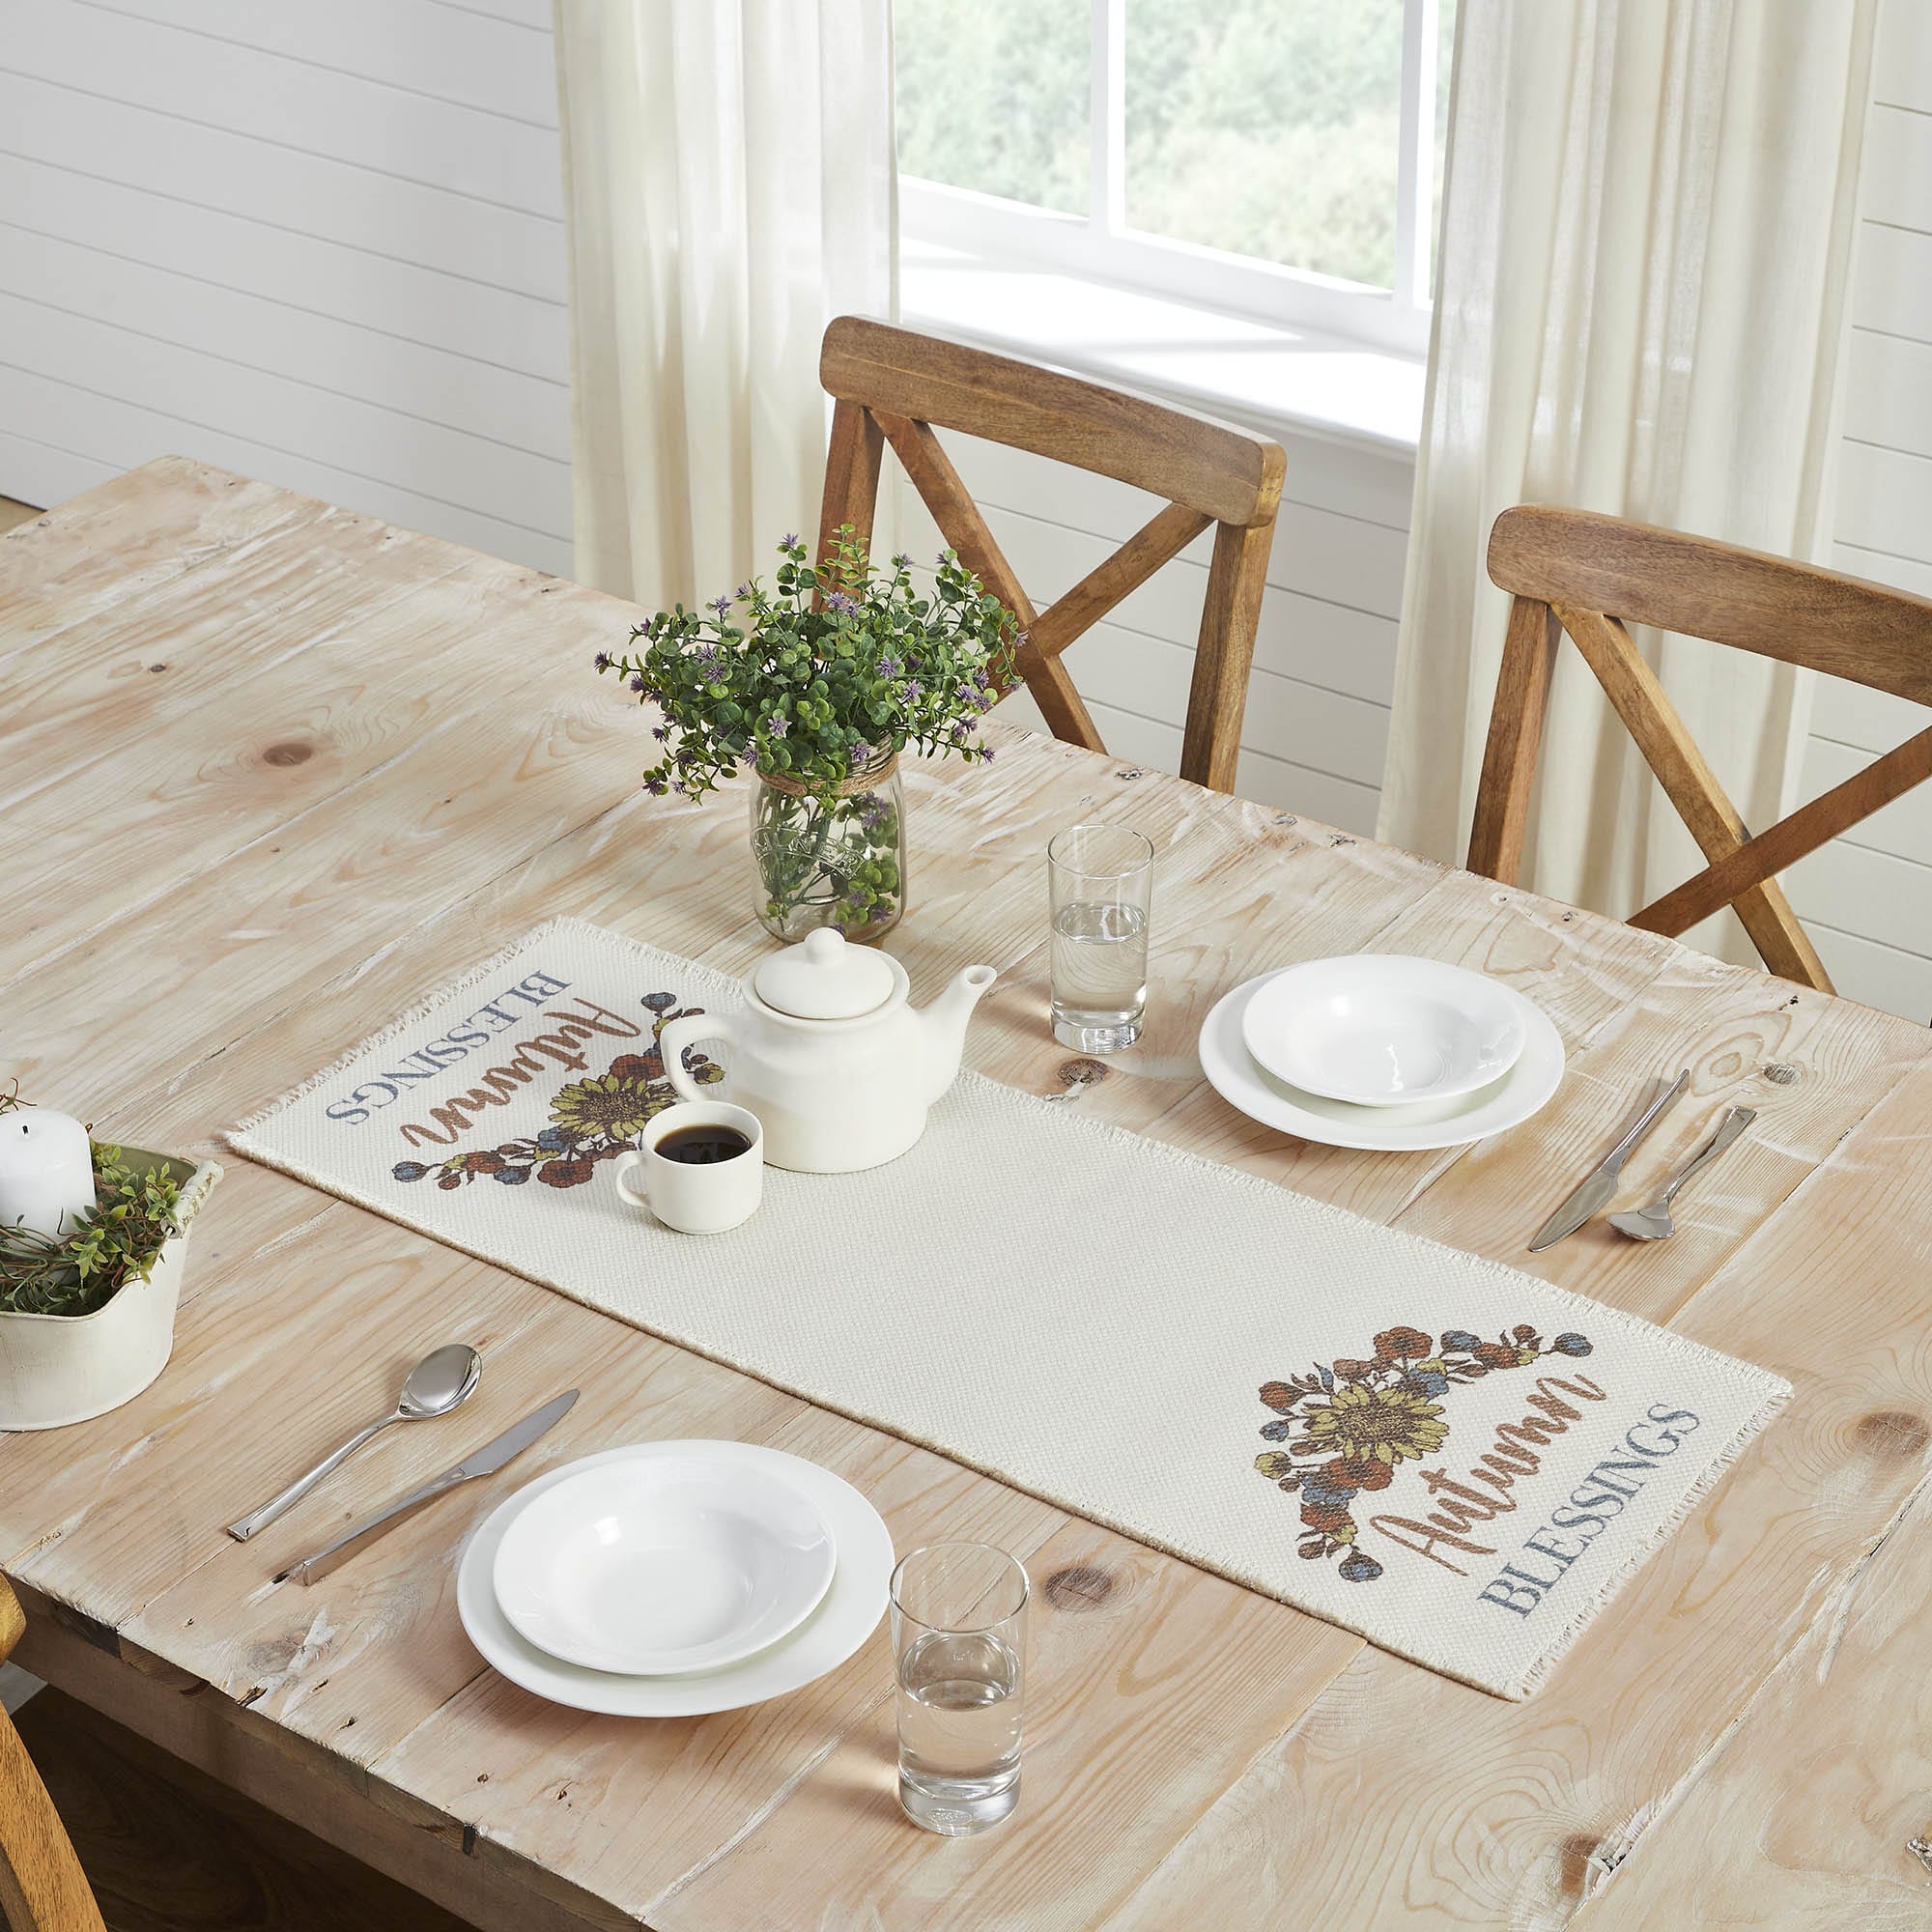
(822, 978)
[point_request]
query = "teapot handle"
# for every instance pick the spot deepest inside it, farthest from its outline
(687, 1030)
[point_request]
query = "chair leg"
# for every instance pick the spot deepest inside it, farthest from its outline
(1515, 741)
(41, 1885)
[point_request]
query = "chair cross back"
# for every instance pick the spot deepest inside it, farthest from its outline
(1587, 576)
(892, 386)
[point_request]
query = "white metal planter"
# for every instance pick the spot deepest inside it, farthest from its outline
(56, 1369)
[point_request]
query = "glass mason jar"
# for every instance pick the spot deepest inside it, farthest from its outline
(837, 860)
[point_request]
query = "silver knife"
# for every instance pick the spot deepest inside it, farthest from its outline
(1594, 1195)
(484, 1461)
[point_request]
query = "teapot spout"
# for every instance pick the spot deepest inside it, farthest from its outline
(942, 1028)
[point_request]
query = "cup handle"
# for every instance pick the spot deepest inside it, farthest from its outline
(687, 1030)
(625, 1162)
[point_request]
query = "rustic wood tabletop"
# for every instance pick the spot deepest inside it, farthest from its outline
(272, 770)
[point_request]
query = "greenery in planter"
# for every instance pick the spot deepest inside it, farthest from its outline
(119, 1241)
(816, 685)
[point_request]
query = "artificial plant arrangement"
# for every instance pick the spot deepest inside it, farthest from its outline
(118, 1240)
(816, 685)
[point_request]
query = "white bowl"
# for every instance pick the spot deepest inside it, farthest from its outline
(1384, 1030)
(1233, 1073)
(651, 1568)
(849, 1614)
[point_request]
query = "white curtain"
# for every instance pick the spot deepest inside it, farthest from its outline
(1647, 225)
(729, 187)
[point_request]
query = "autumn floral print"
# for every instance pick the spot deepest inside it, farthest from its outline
(591, 1120)
(1348, 1427)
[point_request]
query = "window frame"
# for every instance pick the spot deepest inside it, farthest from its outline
(1100, 246)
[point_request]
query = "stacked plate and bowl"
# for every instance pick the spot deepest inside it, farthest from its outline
(669, 1580)
(1380, 1050)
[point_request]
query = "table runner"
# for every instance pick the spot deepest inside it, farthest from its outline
(1456, 1460)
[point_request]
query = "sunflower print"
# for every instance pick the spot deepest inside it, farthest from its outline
(1372, 1424)
(1350, 1424)
(613, 1107)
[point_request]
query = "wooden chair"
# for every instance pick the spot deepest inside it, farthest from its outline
(895, 387)
(41, 1885)
(1571, 571)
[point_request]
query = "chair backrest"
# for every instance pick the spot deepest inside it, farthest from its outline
(1589, 576)
(43, 1888)
(893, 386)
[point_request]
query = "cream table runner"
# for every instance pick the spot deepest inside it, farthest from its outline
(1454, 1459)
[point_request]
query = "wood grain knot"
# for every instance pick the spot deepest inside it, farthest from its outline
(292, 753)
(1082, 1587)
(1891, 1434)
(1575, 1855)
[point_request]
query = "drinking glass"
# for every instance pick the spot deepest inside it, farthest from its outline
(1100, 879)
(959, 1646)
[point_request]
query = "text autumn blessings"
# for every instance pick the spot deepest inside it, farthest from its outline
(1548, 1552)
(569, 1027)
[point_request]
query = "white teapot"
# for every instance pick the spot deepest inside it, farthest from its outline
(828, 1053)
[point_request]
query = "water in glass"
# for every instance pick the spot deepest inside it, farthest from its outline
(1100, 968)
(1101, 890)
(959, 1647)
(960, 1729)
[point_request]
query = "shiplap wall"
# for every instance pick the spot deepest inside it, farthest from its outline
(319, 241)
(316, 241)
(1867, 896)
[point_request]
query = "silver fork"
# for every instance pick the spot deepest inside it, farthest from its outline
(1651, 1222)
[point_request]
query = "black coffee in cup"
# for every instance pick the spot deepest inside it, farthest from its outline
(704, 1146)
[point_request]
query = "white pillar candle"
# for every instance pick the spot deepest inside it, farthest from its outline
(47, 1170)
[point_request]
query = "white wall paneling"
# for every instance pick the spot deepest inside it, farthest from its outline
(501, 64)
(320, 243)
(473, 322)
(1867, 896)
(296, 105)
(367, 208)
(481, 399)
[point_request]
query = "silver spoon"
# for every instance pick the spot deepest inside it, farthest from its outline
(442, 1380)
(1651, 1222)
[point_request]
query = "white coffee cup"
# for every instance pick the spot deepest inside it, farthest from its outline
(695, 1197)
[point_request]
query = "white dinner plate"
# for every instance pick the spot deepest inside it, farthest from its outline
(1521, 1092)
(1383, 1029)
(848, 1614)
(662, 1565)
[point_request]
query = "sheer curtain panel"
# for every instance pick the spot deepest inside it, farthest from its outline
(1646, 234)
(729, 187)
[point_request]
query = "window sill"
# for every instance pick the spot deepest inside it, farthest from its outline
(1269, 377)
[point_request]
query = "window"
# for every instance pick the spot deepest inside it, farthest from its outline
(1281, 158)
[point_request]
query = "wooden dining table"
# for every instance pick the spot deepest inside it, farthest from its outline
(271, 771)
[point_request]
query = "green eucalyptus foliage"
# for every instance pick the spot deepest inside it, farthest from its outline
(824, 675)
